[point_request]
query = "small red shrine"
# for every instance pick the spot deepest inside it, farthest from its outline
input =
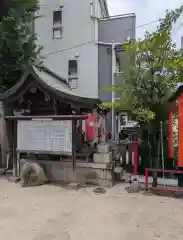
(176, 104)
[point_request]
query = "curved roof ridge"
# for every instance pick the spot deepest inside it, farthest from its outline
(50, 72)
(48, 82)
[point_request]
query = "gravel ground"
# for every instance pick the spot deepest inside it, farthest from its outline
(54, 213)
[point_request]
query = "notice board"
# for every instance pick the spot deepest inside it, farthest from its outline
(44, 136)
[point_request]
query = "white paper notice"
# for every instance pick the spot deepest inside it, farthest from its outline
(42, 135)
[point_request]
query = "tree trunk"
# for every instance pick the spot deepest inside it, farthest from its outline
(153, 143)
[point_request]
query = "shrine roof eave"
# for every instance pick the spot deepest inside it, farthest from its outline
(176, 94)
(50, 83)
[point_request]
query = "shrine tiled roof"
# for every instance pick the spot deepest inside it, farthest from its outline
(48, 81)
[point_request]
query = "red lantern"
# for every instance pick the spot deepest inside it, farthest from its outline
(91, 123)
(92, 129)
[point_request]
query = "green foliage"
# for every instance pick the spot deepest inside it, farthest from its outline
(17, 40)
(145, 85)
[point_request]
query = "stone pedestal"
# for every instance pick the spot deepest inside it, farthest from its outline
(103, 148)
(100, 174)
(102, 157)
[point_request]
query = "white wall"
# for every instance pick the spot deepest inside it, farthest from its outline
(78, 28)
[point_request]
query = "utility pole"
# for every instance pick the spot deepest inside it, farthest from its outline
(115, 47)
(113, 93)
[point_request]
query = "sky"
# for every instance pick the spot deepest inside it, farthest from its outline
(148, 11)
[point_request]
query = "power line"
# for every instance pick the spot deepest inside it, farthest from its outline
(143, 25)
(82, 44)
(65, 49)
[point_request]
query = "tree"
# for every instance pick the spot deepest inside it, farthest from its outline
(18, 49)
(155, 69)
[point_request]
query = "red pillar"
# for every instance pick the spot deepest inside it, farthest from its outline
(180, 130)
(170, 136)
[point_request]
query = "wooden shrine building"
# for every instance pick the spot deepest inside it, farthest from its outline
(39, 94)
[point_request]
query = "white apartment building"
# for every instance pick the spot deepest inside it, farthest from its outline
(81, 43)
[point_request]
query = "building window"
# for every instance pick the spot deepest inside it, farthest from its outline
(57, 24)
(73, 68)
(73, 73)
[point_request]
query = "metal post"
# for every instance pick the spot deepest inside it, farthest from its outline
(74, 150)
(18, 164)
(146, 178)
(113, 93)
(162, 147)
(135, 151)
(170, 136)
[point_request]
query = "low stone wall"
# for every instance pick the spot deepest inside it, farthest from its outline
(101, 174)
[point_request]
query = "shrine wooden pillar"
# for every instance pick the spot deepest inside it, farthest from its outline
(180, 131)
(80, 126)
(6, 134)
(3, 135)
